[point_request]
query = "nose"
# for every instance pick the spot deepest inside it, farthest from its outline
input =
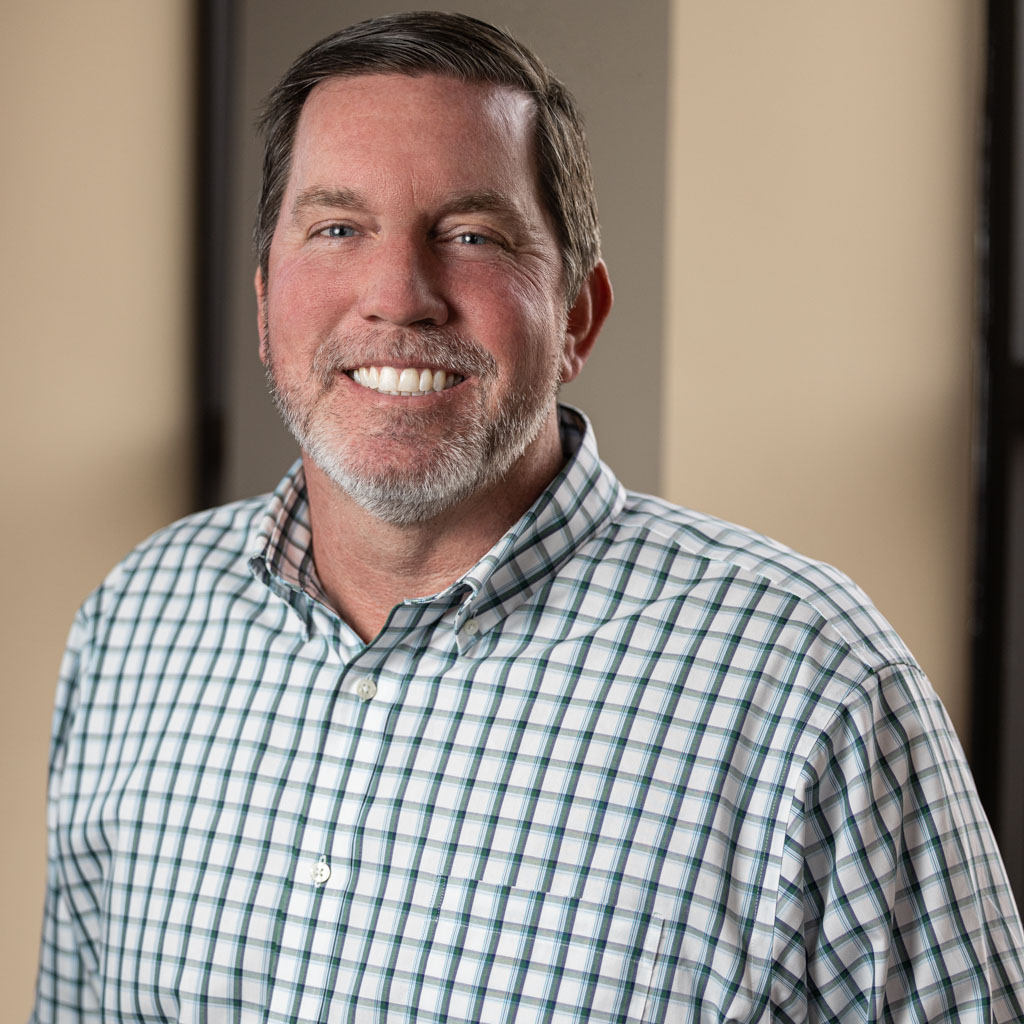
(401, 286)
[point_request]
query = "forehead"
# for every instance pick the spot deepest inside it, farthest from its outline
(442, 125)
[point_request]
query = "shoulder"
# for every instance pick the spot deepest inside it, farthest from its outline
(183, 557)
(678, 545)
(175, 575)
(215, 537)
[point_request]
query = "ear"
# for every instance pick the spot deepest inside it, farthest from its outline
(261, 314)
(585, 320)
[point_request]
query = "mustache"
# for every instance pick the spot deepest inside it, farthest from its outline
(441, 348)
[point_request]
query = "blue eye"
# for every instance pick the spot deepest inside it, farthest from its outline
(338, 231)
(472, 238)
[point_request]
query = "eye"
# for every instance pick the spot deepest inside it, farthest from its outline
(472, 238)
(338, 231)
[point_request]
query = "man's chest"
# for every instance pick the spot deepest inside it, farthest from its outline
(552, 832)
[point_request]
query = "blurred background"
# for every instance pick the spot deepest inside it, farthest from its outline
(809, 221)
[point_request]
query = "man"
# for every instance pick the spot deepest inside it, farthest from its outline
(452, 727)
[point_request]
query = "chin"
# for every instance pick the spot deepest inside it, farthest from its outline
(400, 498)
(398, 486)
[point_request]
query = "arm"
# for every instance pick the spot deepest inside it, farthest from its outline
(894, 904)
(63, 989)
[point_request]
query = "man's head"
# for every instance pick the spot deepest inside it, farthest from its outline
(418, 308)
(450, 46)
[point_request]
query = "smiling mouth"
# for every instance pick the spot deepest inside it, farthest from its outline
(409, 381)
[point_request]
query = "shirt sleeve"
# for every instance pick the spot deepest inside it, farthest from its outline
(64, 990)
(894, 904)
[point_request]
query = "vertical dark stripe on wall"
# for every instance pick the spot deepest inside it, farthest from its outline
(215, 22)
(994, 413)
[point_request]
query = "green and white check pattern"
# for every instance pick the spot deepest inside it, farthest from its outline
(635, 765)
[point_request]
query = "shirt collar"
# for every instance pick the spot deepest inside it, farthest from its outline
(583, 496)
(281, 546)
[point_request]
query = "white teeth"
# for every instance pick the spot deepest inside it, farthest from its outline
(409, 381)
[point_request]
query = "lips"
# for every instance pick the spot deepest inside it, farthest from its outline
(408, 381)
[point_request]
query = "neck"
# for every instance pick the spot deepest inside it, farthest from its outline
(366, 565)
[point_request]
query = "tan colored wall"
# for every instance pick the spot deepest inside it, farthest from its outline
(95, 313)
(820, 303)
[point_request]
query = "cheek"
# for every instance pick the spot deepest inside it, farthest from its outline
(304, 299)
(519, 322)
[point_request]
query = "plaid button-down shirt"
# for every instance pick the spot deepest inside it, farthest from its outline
(635, 765)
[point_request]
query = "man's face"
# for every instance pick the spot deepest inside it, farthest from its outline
(412, 255)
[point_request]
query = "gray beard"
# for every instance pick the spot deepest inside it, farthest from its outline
(474, 456)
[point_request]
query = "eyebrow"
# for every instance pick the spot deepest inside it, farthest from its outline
(338, 198)
(483, 201)
(508, 213)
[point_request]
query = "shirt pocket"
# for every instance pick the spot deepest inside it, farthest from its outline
(502, 953)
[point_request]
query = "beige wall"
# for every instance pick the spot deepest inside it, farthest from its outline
(94, 305)
(820, 291)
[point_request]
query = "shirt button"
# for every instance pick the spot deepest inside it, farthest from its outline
(471, 628)
(320, 871)
(366, 689)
